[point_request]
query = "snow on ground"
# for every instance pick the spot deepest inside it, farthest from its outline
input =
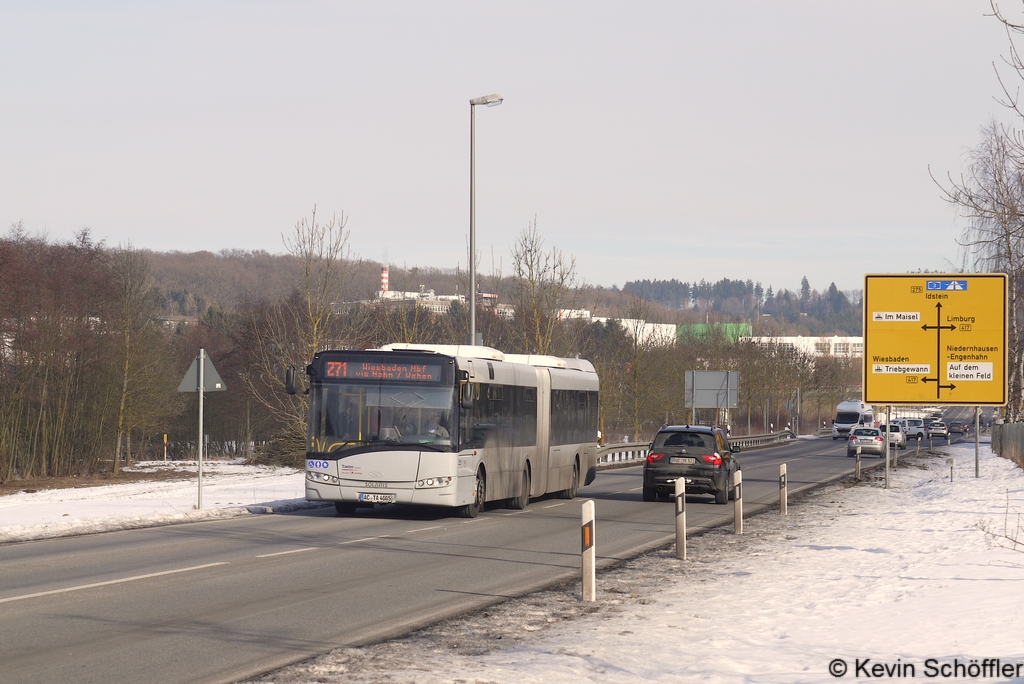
(856, 577)
(229, 489)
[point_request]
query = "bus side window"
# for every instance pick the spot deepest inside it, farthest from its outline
(474, 415)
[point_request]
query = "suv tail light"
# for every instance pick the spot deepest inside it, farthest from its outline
(713, 459)
(652, 457)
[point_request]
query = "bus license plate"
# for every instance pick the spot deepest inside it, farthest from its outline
(374, 497)
(682, 461)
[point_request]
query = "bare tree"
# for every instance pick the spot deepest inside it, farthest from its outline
(294, 328)
(640, 375)
(131, 322)
(991, 197)
(542, 284)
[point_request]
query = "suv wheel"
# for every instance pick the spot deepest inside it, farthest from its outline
(649, 493)
(722, 497)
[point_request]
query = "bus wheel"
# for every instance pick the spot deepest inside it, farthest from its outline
(522, 501)
(473, 509)
(344, 508)
(574, 486)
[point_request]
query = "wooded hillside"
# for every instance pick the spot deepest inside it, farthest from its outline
(94, 342)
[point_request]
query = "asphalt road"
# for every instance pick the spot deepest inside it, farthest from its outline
(223, 600)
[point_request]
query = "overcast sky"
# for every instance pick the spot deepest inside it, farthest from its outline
(689, 140)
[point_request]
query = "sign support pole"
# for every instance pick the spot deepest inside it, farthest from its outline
(197, 383)
(199, 445)
(977, 441)
(886, 447)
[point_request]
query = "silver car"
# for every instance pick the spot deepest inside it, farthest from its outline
(897, 436)
(938, 430)
(870, 441)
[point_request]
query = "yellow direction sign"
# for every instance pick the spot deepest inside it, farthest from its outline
(935, 339)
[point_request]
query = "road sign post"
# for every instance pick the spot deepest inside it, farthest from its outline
(977, 441)
(201, 377)
(887, 433)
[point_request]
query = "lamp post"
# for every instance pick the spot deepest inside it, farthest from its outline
(490, 101)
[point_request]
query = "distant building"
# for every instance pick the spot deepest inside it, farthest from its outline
(844, 347)
(732, 332)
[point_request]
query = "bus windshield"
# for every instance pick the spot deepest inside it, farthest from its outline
(357, 415)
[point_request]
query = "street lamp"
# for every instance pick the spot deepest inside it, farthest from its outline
(490, 101)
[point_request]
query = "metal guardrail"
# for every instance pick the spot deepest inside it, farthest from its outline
(754, 441)
(636, 452)
(623, 452)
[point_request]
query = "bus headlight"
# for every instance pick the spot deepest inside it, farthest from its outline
(322, 477)
(433, 482)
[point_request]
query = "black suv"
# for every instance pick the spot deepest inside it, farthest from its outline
(700, 454)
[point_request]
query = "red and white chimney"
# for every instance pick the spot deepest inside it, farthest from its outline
(384, 279)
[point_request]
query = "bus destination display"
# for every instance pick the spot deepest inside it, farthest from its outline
(361, 370)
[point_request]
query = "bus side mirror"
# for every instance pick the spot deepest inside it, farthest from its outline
(466, 399)
(291, 380)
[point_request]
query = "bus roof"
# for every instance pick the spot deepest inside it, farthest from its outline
(464, 350)
(476, 352)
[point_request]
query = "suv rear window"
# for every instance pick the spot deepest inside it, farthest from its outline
(685, 439)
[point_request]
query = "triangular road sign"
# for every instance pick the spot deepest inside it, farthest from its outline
(211, 378)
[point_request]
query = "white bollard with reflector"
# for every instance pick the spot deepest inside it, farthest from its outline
(783, 490)
(738, 482)
(589, 552)
(681, 517)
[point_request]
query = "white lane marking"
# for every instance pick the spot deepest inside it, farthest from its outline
(283, 553)
(108, 583)
(555, 505)
(525, 510)
(366, 539)
(424, 529)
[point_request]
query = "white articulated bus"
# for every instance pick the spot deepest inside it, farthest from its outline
(447, 425)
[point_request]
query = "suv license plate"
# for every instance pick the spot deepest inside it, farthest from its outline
(682, 461)
(374, 497)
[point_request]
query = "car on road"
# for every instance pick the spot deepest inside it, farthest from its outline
(698, 453)
(869, 439)
(961, 427)
(913, 428)
(897, 437)
(938, 430)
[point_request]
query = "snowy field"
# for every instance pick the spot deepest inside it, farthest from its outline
(914, 582)
(229, 489)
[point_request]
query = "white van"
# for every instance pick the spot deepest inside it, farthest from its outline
(913, 427)
(850, 414)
